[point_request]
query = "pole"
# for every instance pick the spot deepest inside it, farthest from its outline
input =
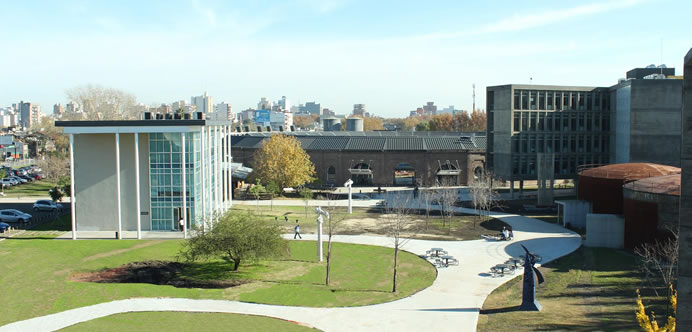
(319, 238)
(184, 180)
(139, 208)
(72, 193)
(350, 200)
(117, 186)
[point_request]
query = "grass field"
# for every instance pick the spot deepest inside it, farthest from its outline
(592, 289)
(30, 189)
(185, 321)
(36, 275)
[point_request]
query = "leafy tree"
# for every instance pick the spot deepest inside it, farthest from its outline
(423, 126)
(256, 190)
(305, 121)
(56, 193)
(281, 160)
(372, 124)
(477, 121)
(236, 237)
(273, 190)
(442, 122)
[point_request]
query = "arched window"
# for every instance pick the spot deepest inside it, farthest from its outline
(331, 174)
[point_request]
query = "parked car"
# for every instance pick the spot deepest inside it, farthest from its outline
(4, 227)
(38, 176)
(7, 182)
(12, 215)
(46, 205)
(19, 179)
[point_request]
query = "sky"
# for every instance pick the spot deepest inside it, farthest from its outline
(392, 56)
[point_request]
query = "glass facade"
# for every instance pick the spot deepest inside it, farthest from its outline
(165, 176)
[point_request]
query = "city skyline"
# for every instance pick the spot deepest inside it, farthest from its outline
(391, 58)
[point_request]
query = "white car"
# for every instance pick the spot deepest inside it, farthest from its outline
(19, 180)
(7, 182)
(12, 215)
(46, 205)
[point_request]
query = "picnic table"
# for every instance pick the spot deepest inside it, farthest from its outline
(501, 269)
(435, 252)
(448, 258)
(516, 261)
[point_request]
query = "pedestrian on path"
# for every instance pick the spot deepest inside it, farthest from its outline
(297, 229)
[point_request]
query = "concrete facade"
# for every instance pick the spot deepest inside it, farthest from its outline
(647, 121)
(571, 122)
(684, 314)
(605, 230)
(95, 185)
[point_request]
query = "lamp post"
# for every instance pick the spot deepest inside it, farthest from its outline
(349, 185)
(320, 220)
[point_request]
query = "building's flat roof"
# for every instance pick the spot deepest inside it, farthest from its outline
(371, 141)
(137, 126)
(548, 87)
(130, 123)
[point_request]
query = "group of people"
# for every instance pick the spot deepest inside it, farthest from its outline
(506, 234)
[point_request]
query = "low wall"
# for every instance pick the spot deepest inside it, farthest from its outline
(605, 230)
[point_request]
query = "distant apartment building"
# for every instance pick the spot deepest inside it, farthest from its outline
(71, 108)
(447, 110)
(572, 123)
(646, 117)
(57, 110)
(326, 111)
(359, 109)
(264, 104)
(29, 114)
(312, 108)
(203, 103)
(429, 108)
(223, 112)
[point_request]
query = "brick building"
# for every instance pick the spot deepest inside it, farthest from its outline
(383, 158)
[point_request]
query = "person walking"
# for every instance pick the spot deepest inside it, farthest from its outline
(181, 224)
(297, 229)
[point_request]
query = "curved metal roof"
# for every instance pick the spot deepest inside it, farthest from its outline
(630, 171)
(662, 185)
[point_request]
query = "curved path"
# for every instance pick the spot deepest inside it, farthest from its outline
(452, 302)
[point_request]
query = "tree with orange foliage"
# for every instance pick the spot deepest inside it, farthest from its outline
(442, 122)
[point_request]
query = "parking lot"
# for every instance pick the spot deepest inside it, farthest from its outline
(37, 217)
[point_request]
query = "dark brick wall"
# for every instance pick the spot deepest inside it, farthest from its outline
(383, 163)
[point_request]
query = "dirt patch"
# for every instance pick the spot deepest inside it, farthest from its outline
(152, 272)
(120, 251)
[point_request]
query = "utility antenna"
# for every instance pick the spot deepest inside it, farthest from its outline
(661, 56)
(474, 98)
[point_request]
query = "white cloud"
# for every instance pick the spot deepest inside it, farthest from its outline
(528, 21)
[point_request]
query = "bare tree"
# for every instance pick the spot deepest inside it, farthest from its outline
(428, 197)
(333, 225)
(54, 167)
(483, 196)
(99, 103)
(398, 221)
(659, 261)
(447, 198)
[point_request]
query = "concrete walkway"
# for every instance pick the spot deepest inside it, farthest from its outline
(451, 303)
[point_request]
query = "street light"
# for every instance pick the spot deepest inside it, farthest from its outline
(349, 185)
(320, 220)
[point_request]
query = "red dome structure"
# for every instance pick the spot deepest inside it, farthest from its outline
(651, 208)
(603, 186)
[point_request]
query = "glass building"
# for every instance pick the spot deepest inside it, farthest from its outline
(133, 176)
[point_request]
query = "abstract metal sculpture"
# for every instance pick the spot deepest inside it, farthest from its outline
(528, 300)
(320, 220)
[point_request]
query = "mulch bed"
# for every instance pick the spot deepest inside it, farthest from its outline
(152, 272)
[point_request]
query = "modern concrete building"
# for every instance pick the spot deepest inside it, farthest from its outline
(646, 118)
(684, 313)
(135, 175)
(57, 110)
(359, 109)
(223, 112)
(570, 123)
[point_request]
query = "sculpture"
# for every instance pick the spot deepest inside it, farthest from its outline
(349, 185)
(320, 220)
(528, 300)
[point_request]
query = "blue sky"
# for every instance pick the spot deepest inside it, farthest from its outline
(390, 55)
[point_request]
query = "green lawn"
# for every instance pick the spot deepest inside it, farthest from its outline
(185, 321)
(31, 189)
(36, 275)
(592, 289)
